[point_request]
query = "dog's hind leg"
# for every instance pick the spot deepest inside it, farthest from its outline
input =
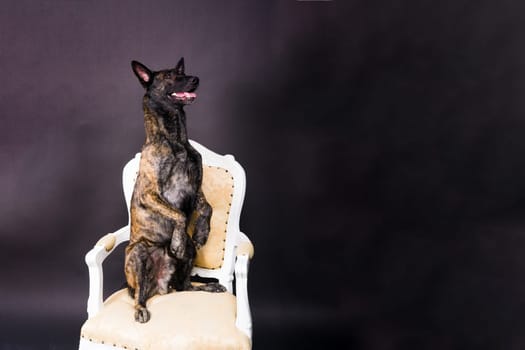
(212, 287)
(137, 279)
(131, 291)
(142, 314)
(181, 278)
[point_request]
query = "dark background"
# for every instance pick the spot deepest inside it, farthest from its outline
(383, 144)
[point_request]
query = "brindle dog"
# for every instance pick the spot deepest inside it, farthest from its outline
(170, 217)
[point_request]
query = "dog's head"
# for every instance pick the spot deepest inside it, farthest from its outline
(170, 85)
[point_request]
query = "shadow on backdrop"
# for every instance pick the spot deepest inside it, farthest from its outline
(385, 173)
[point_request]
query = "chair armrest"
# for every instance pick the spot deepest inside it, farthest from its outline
(244, 253)
(244, 246)
(94, 259)
(108, 242)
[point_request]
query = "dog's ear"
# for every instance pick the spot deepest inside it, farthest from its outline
(179, 68)
(143, 73)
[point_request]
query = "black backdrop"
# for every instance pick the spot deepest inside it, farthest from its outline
(383, 145)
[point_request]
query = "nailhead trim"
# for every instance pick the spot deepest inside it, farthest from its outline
(102, 342)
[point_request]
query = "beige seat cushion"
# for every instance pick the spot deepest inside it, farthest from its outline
(179, 320)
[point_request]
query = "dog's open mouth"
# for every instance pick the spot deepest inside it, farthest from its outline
(184, 97)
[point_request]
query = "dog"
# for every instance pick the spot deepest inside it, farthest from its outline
(170, 217)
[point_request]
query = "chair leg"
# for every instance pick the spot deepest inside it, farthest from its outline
(244, 319)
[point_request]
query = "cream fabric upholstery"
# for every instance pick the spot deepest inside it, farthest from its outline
(217, 186)
(180, 320)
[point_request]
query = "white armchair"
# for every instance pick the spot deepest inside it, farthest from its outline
(181, 320)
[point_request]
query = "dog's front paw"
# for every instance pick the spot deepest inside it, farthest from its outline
(200, 239)
(142, 315)
(178, 244)
(178, 251)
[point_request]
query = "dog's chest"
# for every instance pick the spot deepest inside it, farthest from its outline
(180, 181)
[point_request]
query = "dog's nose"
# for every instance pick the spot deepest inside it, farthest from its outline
(194, 80)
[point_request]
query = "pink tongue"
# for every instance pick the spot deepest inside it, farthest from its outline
(185, 94)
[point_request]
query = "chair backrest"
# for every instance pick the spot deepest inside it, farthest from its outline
(223, 184)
